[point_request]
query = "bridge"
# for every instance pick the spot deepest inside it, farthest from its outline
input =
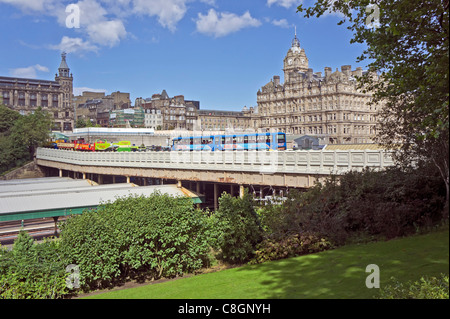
(278, 170)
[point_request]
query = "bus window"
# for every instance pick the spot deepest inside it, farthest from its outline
(197, 143)
(281, 145)
(222, 142)
(261, 140)
(251, 142)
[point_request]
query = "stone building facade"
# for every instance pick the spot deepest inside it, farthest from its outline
(153, 119)
(311, 103)
(96, 106)
(26, 95)
(219, 120)
(177, 113)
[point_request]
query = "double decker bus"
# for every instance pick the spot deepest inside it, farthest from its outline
(235, 142)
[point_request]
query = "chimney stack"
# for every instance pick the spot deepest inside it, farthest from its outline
(358, 71)
(346, 69)
(276, 80)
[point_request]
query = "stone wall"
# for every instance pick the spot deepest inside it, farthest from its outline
(30, 170)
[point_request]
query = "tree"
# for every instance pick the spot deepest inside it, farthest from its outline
(80, 123)
(7, 118)
(407, 44)
(31, 131)
(238, 228)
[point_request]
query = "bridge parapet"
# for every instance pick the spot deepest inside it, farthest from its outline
(262, 162)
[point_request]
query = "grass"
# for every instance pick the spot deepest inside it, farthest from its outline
(335, 274)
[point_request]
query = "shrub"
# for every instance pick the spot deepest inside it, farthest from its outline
(365, 204)
(32, 271)
(425, 288)
(238, 229)
(136, 237)
(289, 246)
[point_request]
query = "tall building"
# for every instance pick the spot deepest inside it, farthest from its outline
(26, 95)
(96, 106)
(219, 120)
(65, 79)
(134, 117)
(177, 113)
(328, 105)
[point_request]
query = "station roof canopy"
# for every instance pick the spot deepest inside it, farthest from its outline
(54, 197)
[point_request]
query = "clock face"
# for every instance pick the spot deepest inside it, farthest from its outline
(302, 60)
(290, 61)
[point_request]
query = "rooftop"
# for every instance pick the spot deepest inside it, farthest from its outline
(50, 197)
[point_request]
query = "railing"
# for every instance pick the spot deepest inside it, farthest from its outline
(264, 162)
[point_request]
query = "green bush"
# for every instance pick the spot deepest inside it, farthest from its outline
(425, 288)
(136, 237)
(32, 271)
(237, 228)
(289, 246)
(367, 204)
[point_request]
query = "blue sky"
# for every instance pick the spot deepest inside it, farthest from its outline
(219, 52)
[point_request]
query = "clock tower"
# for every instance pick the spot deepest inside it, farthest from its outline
(295, 60)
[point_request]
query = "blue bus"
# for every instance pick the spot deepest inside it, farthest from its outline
(238, 142)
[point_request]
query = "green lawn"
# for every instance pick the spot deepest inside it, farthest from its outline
(336, 274)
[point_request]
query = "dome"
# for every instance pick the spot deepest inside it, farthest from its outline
(295, 48)
(295, 45)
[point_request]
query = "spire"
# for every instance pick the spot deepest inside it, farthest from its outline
(63, 67)
(295, 43)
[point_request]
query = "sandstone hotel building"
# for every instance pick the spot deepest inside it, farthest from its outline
(312, 103)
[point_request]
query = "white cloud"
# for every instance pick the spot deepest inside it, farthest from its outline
(169, 12)
(100, 30)
(219, 24)
(41, 68)
(283, 23)
(94, 22)
(80, 90)
(74, 45)
(284, 3)
(31, 5)
(108, 33)
(103, 22)
(210, 2)
(28, 72)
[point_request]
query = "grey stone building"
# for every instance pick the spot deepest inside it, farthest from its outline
(311, 103)
(26, 95)
(177, 113)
